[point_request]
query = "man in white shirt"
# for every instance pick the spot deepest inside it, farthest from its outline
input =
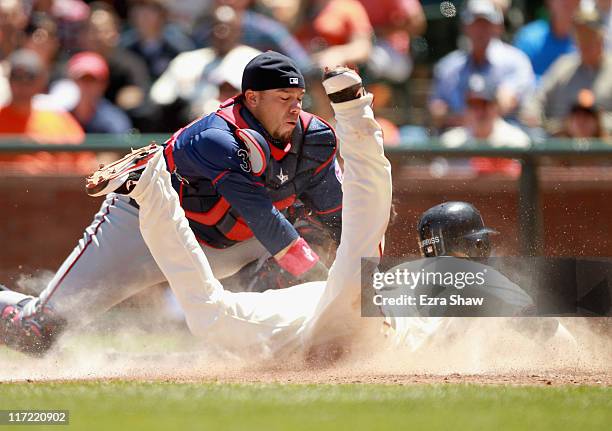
(193, 76)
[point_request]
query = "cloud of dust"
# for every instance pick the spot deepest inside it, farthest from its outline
(489, 347)
(495, 346)
(148, 344)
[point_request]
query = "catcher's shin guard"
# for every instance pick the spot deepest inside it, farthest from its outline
(33, 334)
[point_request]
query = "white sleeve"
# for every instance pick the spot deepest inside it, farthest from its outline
(366, 205)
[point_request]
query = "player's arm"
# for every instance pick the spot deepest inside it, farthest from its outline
(324, 198)
(222, 161)
(269, 226)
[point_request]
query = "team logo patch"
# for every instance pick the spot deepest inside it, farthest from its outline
(282, 177)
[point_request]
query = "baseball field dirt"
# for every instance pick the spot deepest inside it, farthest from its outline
(109, 377)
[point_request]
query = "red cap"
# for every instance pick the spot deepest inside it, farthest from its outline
(88, 63)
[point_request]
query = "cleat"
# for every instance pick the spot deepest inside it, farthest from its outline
(120, 176)
(342, 84)
(33, 334)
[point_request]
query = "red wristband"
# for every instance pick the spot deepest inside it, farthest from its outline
(299, 258)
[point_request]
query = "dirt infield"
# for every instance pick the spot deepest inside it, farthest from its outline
(557, 377)
(482, 356)
(342, 376)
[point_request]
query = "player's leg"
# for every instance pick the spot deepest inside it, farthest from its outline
(263, 321)
(109, 264)
(120, 177)
(228, 261)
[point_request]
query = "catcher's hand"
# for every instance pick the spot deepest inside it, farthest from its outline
(271, 276)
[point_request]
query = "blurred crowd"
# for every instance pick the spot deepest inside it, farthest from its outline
(74, 67)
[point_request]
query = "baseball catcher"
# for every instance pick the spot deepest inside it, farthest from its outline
(236, 172)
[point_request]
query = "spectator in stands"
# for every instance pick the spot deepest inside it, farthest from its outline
(284, 11)
(190, 78)
(482, 119)
(332, 32)
(604, 7)
(394, 23)
(257, 31)
(13, 19)
(590, 68)
(483, 122)
(152, 37)
(95, 113)
(24, 118)
(12, 22)
(505, 65)
(41, 36)
(545, 40)
(228, 78)
(185, 12)
(70, 16)
(129, 81)
(335, 32)
(21, 116)
(584, 119)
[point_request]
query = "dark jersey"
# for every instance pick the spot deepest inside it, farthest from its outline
(225, 203)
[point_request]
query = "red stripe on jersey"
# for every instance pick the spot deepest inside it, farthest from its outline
(285, 203)
(240, 231)
(218, 177)
(333, 210)
(212, 216)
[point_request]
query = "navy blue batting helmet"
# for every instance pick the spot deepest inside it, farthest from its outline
(454, 229)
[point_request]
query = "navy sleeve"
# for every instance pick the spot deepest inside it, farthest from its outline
(252, 202)
(324, 198)
(217, 155)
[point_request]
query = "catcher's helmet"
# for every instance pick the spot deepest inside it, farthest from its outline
(454, 228)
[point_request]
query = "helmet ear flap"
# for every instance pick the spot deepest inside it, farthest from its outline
(483, 246)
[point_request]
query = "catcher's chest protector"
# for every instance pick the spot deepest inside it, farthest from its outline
(288, 174)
